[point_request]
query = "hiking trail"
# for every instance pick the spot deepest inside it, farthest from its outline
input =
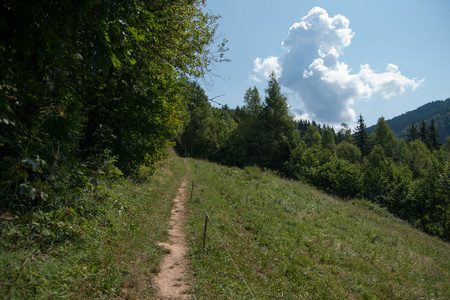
(171, 282)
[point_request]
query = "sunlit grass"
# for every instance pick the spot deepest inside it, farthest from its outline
(292, 241)
(289, 241)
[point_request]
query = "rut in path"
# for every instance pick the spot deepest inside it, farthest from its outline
(171, 282)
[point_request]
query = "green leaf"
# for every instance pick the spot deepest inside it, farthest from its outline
(115, 61)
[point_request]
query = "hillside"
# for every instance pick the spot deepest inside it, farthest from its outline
(267, 238)
(290, 241)
(439, 110)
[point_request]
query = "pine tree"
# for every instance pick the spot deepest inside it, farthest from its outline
(413, 133)
(362, 137)
(432, 136)
(423, 135)
(279, 127)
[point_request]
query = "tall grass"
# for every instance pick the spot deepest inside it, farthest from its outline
(115, 256)
(291, 241)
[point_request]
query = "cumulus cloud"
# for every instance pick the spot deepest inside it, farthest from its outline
(312, 69)
(265, 67)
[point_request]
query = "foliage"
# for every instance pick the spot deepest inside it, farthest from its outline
(429, 199)
(81, 79)
(412, 133)
(348, 152)
(206, 129)
(328, 139)
(362, 137)
(89, 91)
(107, 247)
(438, 110)
(385, 137)
(312, 137)
(278, 127)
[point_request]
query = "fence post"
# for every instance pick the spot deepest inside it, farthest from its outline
(204, 232)
(192, 190)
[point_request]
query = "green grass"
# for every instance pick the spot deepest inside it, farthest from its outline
(116, 255)
(291, 241)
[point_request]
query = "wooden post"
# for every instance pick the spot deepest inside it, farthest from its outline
(204, 232)
(192, 190)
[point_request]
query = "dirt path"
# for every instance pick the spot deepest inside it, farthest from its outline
(171, 282)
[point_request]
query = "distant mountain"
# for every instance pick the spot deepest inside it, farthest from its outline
(439, 110)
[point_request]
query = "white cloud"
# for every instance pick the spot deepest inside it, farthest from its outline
(264, 67)
(311, 68)
(388, 84)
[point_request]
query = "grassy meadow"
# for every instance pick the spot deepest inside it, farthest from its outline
(288, 240)
(291, 241)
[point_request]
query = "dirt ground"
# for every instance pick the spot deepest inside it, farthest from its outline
(172, 282)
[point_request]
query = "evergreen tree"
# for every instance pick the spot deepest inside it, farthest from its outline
(362, 137)
(432, 136)
(423, 134)
(251, 128)
(278, 127)
(413, 133)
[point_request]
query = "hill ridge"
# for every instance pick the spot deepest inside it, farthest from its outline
(438, 109)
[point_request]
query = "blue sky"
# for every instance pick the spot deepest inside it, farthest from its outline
(336, 59)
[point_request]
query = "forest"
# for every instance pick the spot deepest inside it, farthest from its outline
(410, 177)
(89, 88)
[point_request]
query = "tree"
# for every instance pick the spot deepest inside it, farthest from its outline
(362, 137)
(348, 152)
(328, 139)
(279, 133)
(344, 134)
(419, 158)
(244, 146)
(423, 132)
(384, 182)
(195, 140)
(312, 137)
(81, 77)
(447, 144)
(412, 133)
(252, 102)
(433, 135)
(385, 137)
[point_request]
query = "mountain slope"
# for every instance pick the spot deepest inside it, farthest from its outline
(439, 110)
(290, 241)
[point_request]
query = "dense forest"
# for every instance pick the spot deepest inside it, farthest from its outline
(86, 88)
(438, 110)
(410, 177)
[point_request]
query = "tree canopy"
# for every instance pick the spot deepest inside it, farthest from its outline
(83, 79)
